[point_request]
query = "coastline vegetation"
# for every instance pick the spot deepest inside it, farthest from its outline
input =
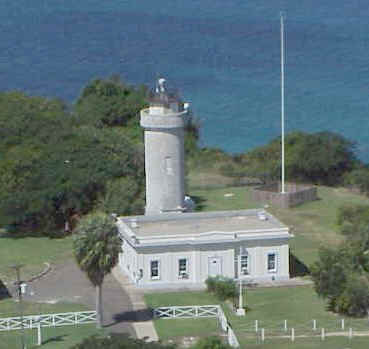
(62, 162)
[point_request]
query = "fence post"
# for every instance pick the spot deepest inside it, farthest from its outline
(292, 334)
(343, 324)
(323, 334)
(350, 333)
(39, 338)
(314, 325)
(262, 335)
(256, 325)
(285, 325)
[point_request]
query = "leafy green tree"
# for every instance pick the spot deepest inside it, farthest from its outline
(330, 274)
(321, 158)
(118, 341)
(342, 275)
(109, 102)
(359, 179)
(52, 168)
(354, 300)
(96, 247)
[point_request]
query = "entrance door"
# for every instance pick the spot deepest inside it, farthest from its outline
(215, 266)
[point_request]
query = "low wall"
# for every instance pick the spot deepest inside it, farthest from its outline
(295, 194)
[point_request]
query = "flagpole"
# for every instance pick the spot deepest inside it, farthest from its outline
(282, 100)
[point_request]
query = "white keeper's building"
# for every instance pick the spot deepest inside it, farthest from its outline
(171, 248)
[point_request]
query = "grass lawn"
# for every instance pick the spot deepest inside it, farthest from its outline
(58, 337)
(309, 343)
(32, 252)
(10, 308)
(270, 306)
(171, 328)
(62, 337)
(313, 224)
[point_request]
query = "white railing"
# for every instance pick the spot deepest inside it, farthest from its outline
(199, 311)
(47, 320)
(186, 311)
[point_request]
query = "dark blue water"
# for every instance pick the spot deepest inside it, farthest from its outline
(224, 56)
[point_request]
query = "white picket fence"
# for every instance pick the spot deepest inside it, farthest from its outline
(47, 320)
(199, 311)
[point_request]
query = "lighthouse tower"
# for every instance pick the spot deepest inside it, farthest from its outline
(164, 123)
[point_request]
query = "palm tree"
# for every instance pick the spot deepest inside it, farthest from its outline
(96, 248)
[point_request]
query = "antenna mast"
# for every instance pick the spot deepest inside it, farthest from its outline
(282, 100)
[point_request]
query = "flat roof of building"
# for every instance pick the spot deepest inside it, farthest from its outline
(196, 223)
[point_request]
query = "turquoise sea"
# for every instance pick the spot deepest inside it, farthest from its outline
(224, 57)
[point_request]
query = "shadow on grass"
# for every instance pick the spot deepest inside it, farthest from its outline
(132, 316)
(297, 267)
(55, 339)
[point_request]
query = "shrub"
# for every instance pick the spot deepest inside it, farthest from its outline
(118, 341)
(210, 343)
(223, 287)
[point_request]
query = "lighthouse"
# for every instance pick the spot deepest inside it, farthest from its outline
(164, 122)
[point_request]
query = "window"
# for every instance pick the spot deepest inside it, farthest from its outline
(244, 264)
(183, 268)
(272, 262)
(155, 270)
(168, 165)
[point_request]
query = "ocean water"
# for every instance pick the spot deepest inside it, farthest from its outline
(224, 57)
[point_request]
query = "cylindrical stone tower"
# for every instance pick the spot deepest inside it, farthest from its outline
(164, 123)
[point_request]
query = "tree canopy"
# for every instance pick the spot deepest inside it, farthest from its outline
(341, 275)
(60, 161)
(320, 158)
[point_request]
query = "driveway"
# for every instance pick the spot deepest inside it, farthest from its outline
(66, 283)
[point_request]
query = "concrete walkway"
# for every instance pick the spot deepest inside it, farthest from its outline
(143, 324)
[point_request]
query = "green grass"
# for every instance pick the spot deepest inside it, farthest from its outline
(58, 337)
(270, 306)
(172, 328)
(308, 343)
(32, 252)
(62, 337)
(155, 300)
(10, 308)
(214, 199)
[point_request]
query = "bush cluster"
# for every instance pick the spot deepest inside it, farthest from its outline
(223, 287)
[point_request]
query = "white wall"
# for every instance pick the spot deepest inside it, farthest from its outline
(198, 262)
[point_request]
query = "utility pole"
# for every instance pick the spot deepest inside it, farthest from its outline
(17, 268)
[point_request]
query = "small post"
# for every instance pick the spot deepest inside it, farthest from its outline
(240, 311)
(256, 325)
(343, 324)
(285, 325)
(262, 335)
(323, 334)
(314, 325)
(350, 333)
(39, 337)
(292, 334)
